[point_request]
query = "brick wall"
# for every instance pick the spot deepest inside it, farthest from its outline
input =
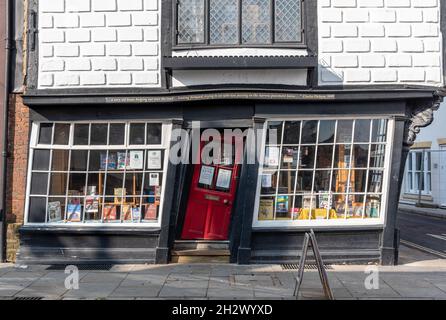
(380, 42)
(99, 43)
(17, 169)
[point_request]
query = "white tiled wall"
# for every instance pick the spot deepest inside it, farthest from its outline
(99, 43)
(380, 42)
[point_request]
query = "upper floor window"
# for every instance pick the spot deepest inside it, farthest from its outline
(239, 22)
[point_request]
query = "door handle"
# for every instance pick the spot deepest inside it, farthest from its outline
(226, 201)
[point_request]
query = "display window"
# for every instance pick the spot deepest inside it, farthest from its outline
(322, 172)
(97, 173)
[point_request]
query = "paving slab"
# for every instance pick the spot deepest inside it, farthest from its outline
(91, 291)
(136, 291)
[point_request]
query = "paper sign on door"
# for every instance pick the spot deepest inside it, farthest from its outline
(223, 179)
(206, 175)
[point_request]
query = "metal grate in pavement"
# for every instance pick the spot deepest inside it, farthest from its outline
(28, 298)
(88, 267)
(295, 266)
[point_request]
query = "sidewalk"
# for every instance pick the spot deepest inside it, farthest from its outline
(431, 212)
(425, 279)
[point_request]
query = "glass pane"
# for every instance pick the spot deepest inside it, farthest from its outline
(304, 181)
(37, 210)
(271, 157)
(307, 154)
(418, 161)
(292, 132)
(94, 181)
(362, 130)
(377, 154)
(322, 180)
(283, 207)
(274, 133)
(152, 184)
(376, 180)
(288, 26)
(286, 182)
(98, 160)
(39, 183)
(327, 131)
(342, 156)
(269, 182)
(338, 206)
(289, 157)
(41, 159)
(266, 208)
(360, 155)
(137, 132)
(60, 160)
(76, 184)
(78, 160)
(355, 207)
(56, 209)
(117, 134)
(309, 131)
(358, 177)
(81, 134)
(379, 130)
(58, 184)
(256, 20)
(344, 131)
(114, 185)
(61, 133)
(223, 16)
(99, 134)
(154, 132)
(150, 212)
(191, 21)
(339, 182)
(372, 206)
(133, 182)
(45, 133)
(324, 156)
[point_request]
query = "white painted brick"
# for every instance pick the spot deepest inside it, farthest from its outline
(410, 45)
(119, 19)
(93, 20)
(334, 76)
(145, 49)
(399, 60)
(426, 60)
(46, 50)
(105, 64)
(144, 78)
(93, 50)
(46, 79)
(53, 65)
(371, 3)
(151, 64)
(398, 30)
(145, 18)
(66, 21)
(424, 3)
(130, 5)
(78, 65)
(119, 49)
(431, 45)
(78, 35)
(433, 75)
(345, 61)
(78, 5)
(92, 79)
(151, 34)
(131, 64)
(66, 79)
(398, 3)
(431, 15)
(411, 75)
(331, 15)
(131, 34)
(325, 31)
(384, 45)
(66, 50)
(332, 46)
(119, 78)
(151, 5)
(46, 21)
(325, 61)
(410, 15)
(372, 61)
(382, 16)
(384, 75)
(104, 35)
(343, 3)
(357, 45)
(356, 15)
(104, 5)
(344, 31)
(371, 30)
(425, 30)
(51, 36)
(357, 76)
(52, 5)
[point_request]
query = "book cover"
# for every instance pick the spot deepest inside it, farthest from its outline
(136, 214)
(91, 204)
(111, 161)
(122, 161)
(126, 212)
(266, 209)
(74, 212)
(150, 212)
(54, 211)
(110, 212)
(282, 204)
(119, 193)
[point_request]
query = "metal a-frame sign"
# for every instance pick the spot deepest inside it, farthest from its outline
(310, 237)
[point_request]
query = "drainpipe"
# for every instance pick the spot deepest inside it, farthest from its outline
(4, 128)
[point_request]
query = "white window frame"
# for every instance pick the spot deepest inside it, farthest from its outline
(412, 172)
(165, 146)
(311, 223)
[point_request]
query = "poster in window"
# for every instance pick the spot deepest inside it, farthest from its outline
(267, 180)
(154, 179)
(266, 209)
(54, 211)
(74, 212)
(223, 179)
(272, 156)
(206, 175)
(288, 155)
(154, 159)
(136, 159)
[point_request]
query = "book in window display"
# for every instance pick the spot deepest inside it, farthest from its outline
(108, 162)
(110, 213)
(266, 209)
(74, 212)
(282, 205)
(91, 207)
(123, 161)
(372, 209)
(54, 211)
(136, 214)
(119, 194)
(126, 212)
(151, 211)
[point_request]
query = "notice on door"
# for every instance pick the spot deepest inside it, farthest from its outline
(223, 179)
(206, 175)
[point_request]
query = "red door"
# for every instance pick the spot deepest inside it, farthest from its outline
(211, 197)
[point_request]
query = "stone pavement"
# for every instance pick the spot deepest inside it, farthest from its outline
(421, 277)
(431, 212)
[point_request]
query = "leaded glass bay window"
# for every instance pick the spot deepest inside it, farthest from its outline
(326, 170)
(239, 22)
(96, 173)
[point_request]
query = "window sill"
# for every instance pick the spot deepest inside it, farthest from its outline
(96, 229)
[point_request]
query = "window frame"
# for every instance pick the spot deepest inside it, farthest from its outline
(327, 223)
(411, 172)
(166, 129)
(207, 45)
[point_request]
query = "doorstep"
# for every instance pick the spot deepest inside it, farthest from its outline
(200, 251)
